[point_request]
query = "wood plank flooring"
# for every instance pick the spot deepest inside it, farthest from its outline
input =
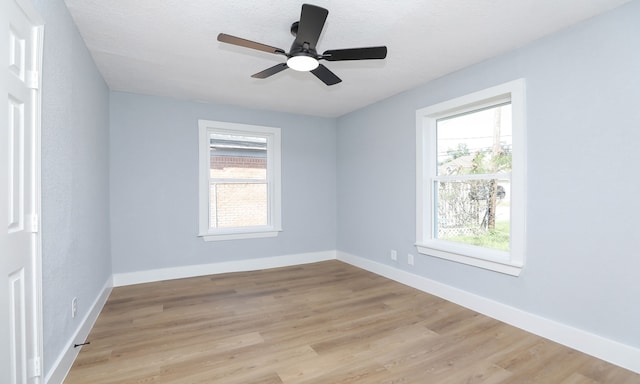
(318, 323)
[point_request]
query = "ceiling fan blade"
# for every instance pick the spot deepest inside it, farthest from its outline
(366, 53)
(223, 37)
(270, 71)
(323, 73)
(311, 23)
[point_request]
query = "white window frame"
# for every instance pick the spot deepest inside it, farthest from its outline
(274, 225)
(509, 262)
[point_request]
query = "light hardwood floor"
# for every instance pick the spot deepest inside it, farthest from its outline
(323, 323)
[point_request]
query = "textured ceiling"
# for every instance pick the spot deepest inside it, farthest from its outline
(169, 47)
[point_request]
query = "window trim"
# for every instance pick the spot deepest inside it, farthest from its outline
(274, 221)
(509, 262)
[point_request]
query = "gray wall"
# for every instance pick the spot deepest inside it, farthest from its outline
(75, 182)
(154, 184)
(583, 123)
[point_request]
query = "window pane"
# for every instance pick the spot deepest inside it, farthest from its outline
(238, 157)
(475, 143)
(238, 205)
(473, 212)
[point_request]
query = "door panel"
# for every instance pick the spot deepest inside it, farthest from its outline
(17, 325)
(15, 144)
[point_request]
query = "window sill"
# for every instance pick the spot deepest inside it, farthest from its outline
(493, 260)
(239, 234)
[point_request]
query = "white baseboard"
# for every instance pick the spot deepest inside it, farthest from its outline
(129, 278)
(63, 363)
(606, 349)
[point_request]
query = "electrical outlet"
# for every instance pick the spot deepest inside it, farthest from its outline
(394, 255)
(74, 307)
(410, 259)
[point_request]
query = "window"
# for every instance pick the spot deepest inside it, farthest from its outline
(470, 179)
(239, 181)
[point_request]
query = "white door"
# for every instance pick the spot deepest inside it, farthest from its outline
(20, 276)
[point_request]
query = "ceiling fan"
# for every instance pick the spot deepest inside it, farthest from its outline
(303, 55)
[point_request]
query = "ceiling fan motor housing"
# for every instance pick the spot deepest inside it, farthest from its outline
(294, 28)
(302, 50)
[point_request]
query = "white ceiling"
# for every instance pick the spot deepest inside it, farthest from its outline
(169, 47)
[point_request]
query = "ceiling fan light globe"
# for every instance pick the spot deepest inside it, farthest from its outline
(302, 63)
